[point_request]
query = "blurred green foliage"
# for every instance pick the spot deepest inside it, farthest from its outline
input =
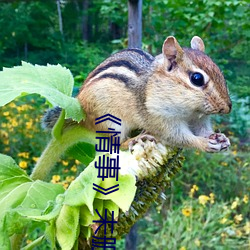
(30, 32)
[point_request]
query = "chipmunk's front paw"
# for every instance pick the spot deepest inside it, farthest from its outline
(217, 142)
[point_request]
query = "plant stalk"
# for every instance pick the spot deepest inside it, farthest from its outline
(57, 146)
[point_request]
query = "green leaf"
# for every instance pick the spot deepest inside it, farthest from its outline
(49, 216)
(111, 206)
(80, 191)
(20, 197)
(14, 198)
(122, 197)
(27, 200)
(4, 240)
(53, 82)
(67, 226)
(9, 168)
(14, 223)
(86, 232)
(82, 151)
(86, 217)
(39, 194)
(11, 183)
(50, 234)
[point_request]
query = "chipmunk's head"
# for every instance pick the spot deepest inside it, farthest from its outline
(198, 77)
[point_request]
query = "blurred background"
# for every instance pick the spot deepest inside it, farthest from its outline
(207, 206)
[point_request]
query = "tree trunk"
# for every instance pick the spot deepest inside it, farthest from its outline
(59, 16)
(85, 20)
(135, 23)
(131, 238)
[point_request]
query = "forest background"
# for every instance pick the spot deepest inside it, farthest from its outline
(207, 205)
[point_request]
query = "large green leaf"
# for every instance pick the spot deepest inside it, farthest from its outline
(21, 197)
(53, 82)
(82, 151)
(86, 217)
(6, 186)
(80, 191)
(67, 226)
(9, 168)
(40, 193)
(122, 197)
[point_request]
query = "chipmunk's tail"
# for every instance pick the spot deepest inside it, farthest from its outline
(50, 117)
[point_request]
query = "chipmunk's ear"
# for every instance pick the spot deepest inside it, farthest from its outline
(197, 43)
(171, 49)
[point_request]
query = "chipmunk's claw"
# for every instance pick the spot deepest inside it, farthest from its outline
(218, 142)
(141, 139)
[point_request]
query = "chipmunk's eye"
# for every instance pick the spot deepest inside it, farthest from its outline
(197, 79)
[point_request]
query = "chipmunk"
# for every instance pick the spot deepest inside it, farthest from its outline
(170, 96)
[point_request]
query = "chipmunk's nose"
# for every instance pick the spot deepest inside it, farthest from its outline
(227, 108)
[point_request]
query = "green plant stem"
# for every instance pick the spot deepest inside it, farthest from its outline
(16, 240)
(57, 146)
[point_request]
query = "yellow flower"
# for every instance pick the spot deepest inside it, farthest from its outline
(35, 159)
(238, 218)
(65, 185)
(245, 199)
(238, 159)
(65, 163)
(238, 233)
(234, 152)
(55, 178)
(70, 178)
(23, 164)
(73, 168)
(77, 162)
(197, 242)
(6, 149)
(235, 203)
(187, 211)
(12, 105)
(183, 248)
(4, 134)
(6, 141)
(193, 190)
(6, 113)
(14, 123)
(24, 154)
(223, 220)
(203, 199)
(211, 195)
(29, 124)
(23, 107)
(247, 227)
(223, 235)
(224, 164)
